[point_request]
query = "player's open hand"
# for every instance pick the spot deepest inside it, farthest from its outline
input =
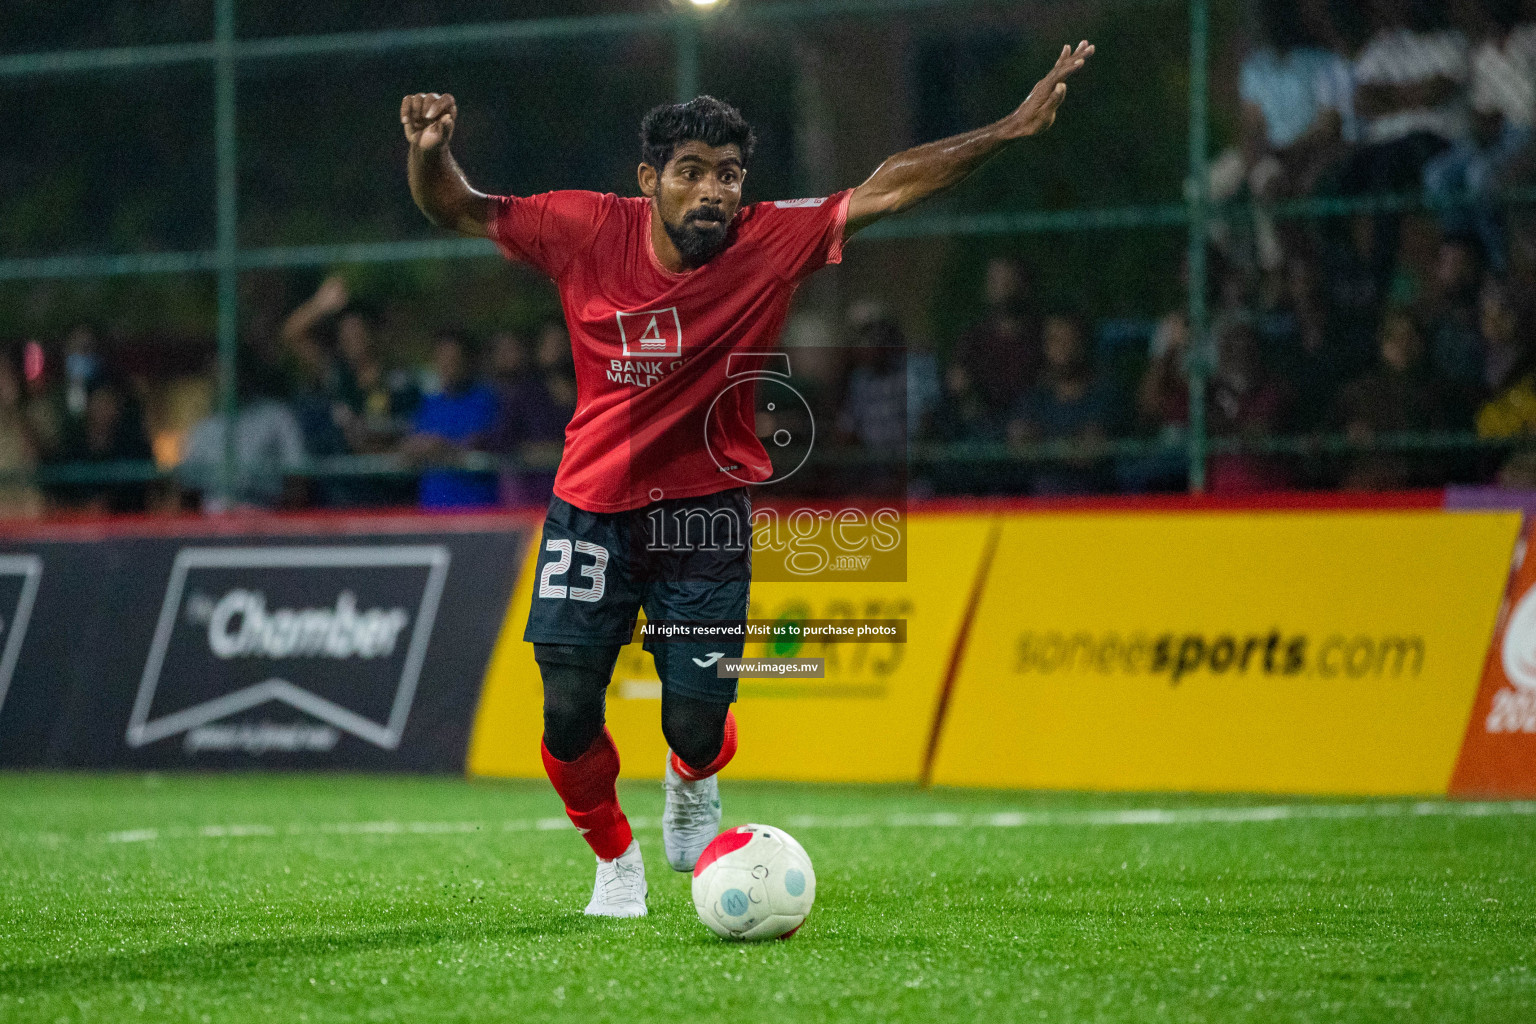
(1038, 111)
(428, 119)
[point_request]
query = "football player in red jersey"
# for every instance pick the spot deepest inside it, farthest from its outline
(650, 508)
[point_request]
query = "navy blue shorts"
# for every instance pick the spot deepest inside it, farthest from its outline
(684, 559)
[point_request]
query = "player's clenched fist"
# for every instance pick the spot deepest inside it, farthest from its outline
(428, 119)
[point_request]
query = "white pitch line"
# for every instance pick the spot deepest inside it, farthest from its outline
(940, 820)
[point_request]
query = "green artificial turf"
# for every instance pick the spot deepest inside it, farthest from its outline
(343, 898)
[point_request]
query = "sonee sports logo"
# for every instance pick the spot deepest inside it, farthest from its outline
(339, 633)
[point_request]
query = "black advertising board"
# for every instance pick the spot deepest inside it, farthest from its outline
(336, 649)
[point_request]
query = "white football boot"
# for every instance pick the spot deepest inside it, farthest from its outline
(620, 888)
(691, 818)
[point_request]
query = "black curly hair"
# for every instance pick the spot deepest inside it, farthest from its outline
(702, 119)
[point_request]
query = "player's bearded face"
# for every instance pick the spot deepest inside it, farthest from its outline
(697, 196)
(700, 234)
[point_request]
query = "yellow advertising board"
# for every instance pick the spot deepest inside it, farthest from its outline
(868, 720)
(1303, 652)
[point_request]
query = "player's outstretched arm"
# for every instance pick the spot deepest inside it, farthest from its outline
(908, 178)
(437, 184)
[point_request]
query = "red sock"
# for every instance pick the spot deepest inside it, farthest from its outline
(586, 786)
(727, 751)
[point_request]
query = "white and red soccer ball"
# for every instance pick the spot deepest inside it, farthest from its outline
(754, 882)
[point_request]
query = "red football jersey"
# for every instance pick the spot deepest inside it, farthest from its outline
(657, 415)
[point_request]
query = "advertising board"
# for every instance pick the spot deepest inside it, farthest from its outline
(356, 650)
(1304, 652)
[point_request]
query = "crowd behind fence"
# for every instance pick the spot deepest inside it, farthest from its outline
(1369, 272)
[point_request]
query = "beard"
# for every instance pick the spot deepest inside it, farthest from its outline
(699, 237)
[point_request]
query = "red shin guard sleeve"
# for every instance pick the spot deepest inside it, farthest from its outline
(586, 786)
(727, 751)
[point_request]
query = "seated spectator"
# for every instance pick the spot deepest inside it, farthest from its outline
(1400, 395)
(552, 352)
(1067, 404)
(1451, 311)
(1312, 352)
(1297, 114)
(1355, 268)
(112, 430)
(43, 401)
(873, 413)
(450, 423)
(530, 423)
(1511, 378)
(924, 392)
(997, 360)
(1410, 88)
(1162, 410)
(1244, 401)
(1463, 179)
(18, 449)
(268, 446)
(82, 365)
(1506, 349)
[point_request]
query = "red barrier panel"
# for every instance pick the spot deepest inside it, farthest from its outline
(1498, 755)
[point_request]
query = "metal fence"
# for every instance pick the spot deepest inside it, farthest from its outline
(688, 28)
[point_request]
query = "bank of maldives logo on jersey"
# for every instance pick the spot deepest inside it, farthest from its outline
(652, 332)
(249, 635)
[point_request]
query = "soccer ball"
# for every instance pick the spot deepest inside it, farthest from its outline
(754, 882)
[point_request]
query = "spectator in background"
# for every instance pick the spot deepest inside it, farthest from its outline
(1162, 410)
(268, 445)
(313, 367)
(1456, 347)
(552, 350)
(18, 450)
(1511, 379)
(1506, 349)
(924, 391)
(347, 402)
(1354, 289)
(110, 431)
(82, 366)
(530, 423)
(996, 361)
(374, 407)
(356, 394)
(1311, 352)
(1410, 88)
(1068, 403)
(450, 423)
(1400, 395)
(1522, 37)
(1246, 402)
(1297, 114)
(316, 361)
(873, 413)
(43, 405)
(1503, 101)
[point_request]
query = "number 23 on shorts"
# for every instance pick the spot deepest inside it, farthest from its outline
(592, 572)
